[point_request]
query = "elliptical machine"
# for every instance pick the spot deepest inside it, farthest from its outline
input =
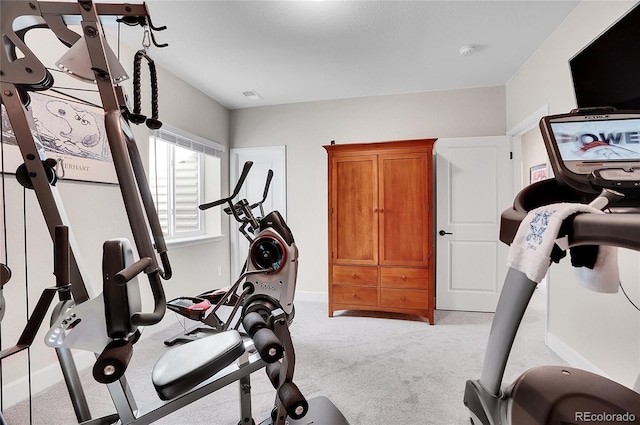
(269, 272)
(592, 165)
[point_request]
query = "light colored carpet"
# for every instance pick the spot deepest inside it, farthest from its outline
(378, 371)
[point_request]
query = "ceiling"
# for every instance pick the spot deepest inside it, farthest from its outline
(301, 51)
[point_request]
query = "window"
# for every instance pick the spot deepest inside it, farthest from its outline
(184, 172)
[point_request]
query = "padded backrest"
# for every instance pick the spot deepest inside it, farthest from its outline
(120, 301)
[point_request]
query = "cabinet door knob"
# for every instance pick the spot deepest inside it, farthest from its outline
(404, 299)
(403, 277)
(353, 275)
(375, 210)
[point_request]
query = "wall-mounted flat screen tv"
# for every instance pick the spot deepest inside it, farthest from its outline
(607, 71)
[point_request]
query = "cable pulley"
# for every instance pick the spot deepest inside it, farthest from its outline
(144, 21)
(23, 176)
(5, 276)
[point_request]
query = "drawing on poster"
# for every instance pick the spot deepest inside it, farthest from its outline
(70, 132)
(538, 173)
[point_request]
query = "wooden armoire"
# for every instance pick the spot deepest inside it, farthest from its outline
(381, 227)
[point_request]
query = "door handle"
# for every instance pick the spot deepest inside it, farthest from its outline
(442, 233)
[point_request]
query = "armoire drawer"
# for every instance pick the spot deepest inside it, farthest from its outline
(357, 295)
(404, 277)
(355, 275)
(404, 298)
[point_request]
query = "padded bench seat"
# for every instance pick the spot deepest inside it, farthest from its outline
(182, 368)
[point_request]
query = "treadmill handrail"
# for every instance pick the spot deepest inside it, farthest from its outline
(619, 226)
(617, 229)
(621, 229)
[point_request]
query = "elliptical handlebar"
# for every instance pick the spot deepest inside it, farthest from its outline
(264, 194)
(236, 190)
(240, 205)
(212, 204)
(241, 210)
(266, 190)
(243, 177)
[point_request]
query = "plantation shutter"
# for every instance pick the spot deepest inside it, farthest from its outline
(187, 191)
(177, 180)
(159, 182)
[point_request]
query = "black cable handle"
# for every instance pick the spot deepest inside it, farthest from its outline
(136, 117)
(153, 123)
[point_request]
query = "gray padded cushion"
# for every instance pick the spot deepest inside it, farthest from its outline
(182, 368)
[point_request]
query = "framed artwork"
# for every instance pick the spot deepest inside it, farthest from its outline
(537, 173)
(70, 132)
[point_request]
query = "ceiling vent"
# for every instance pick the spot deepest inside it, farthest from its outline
(252, 95)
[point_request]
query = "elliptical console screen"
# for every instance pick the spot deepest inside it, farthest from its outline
(589, 145)
(590, 149)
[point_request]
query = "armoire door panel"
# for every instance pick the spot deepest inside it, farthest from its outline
(403, 206)
(355, 210)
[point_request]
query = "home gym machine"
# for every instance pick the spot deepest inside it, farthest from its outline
(62, 287)
(595, 162)
(108, 324)
(269, 272)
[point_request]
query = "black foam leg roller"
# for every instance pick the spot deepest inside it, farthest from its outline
(273, 373)
(252, 323)
(268, 345)
(293, 401)
(112, 363)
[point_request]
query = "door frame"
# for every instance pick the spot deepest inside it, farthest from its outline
(515, 135)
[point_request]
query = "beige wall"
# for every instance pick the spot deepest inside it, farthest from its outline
(96, 213)
(304, 128)
(601, 330)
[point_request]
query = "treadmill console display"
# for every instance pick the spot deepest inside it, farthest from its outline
(590, 150)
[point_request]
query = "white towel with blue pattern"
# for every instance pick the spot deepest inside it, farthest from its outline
(531, 248)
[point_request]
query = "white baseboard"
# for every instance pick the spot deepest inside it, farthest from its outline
(576, 360)
(571, 356)
(16, 391)
(314, 296)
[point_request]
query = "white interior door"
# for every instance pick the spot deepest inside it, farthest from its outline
(264, 159)
(474, 186)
